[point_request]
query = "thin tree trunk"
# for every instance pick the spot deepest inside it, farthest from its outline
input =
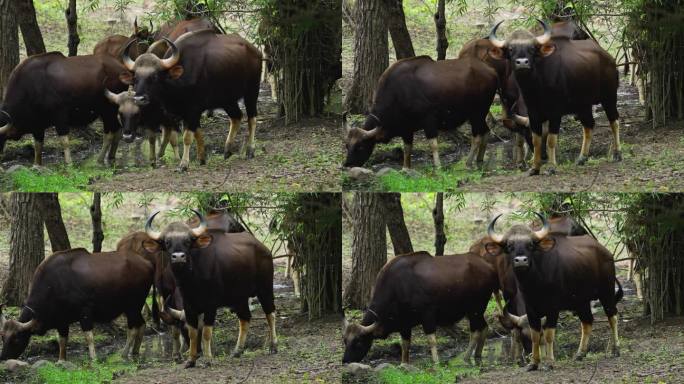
(369, 248)
(33, 39)
(72, 26)
(96, 218)
(9, 42)
(371, 54)
(27, 247)
(438, 218)
(394, 216)
(440, 24)
(396, 22)
(54, 223)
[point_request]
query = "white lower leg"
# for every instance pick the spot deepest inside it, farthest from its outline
(273, 337)
(405, 346)
(37, 152)
(91, 344)
(67, 150)
(206, 341)
(62, 347)
(435, 153)
(432, 340)
(407, 155)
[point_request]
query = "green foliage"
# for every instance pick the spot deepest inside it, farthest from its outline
(62, 179)
(427, 180)
(452, 372)
(87, 373)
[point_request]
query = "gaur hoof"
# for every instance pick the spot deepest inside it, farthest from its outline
(206, 363)
(580, 356)
(532, 172)
(227, 155)
(531, 367)
(153, 165)
(615, 352)
(551, 171)
(478, 361)
(547, 367)
(203, 161)
(273, 349)
(617, 156)
(190, 364)
(581, 160)
(183, 167)
(237, 353)
(250, 153)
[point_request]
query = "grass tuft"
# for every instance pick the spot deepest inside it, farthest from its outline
(428, 180)
(98, 372)
(62, 179)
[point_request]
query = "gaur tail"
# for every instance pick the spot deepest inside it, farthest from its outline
(619, 294)
(155, 306)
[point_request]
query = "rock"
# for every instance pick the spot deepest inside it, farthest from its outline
(358, 368)
(384, 171)
(39, 364)
(13, 365)
(382, 366)
(15, 168)
(360, 173)
(66, 365)
(410, 172)
(408, 367)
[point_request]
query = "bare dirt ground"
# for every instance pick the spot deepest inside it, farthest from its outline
(651, 157)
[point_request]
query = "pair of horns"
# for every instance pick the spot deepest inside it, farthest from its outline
(364, 329)
(19, 326)
(165, 63)
(498, 238)
(348, 128)
(156, 235)
(541, 39)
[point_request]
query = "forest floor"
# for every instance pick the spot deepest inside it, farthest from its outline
(296, 157)
(651, 159)
(308, 351)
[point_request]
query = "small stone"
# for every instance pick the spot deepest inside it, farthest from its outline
(13, 365)
(408, 367)
(15, 168)
(358, 368)
(382, 366)
(360, 173)
(410, 172)
(39, 364)
(384, 171)
(66, 365)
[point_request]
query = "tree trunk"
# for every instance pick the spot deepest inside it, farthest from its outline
(27, 247)
(440, 24)
(72, 26)
(54, 223)
(33, 39)
(96, 218)
(438, 218)
(9, 43)
(394, 216)
(371, 54)
(396, 22)
(369, 248)
(317, 237)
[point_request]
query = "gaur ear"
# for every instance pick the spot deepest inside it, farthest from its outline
(496, 53)
(203, 241)
(546, 244)
(176, 71)
(493, 249)
(151, 246)
(547, 49)
(126, 78)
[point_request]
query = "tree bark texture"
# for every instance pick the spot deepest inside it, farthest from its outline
(9, 42)
(369, 248)
(33, 38)
(394, 216)
(96, 219)
(27, 247)
(59, 239)
(440, 25)
(371, 54)
(438, 218)
(72, 26)
(396, 23)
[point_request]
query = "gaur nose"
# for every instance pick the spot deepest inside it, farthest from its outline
(520, 261)
(178, 257)
(523, 61)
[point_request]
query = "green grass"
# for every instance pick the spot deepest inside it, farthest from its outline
(99, 372)
(62, 179)
(450, 373)
(446, 179)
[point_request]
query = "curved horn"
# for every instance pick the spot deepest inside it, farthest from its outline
(345, 122)
(155, 45)
(366, 329)
(21, 327)
(135, 25)
(4, 129)
(495, 40)
(519, 321)
(175, 55)
(544, 38)
(202, 226)
(540, 234)
(111, 96)
(521, 120)
(154, 235)
(151, 26)
(490, 230)
(345, 323)
(127, 61)
(176, 314)
(372, 132)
